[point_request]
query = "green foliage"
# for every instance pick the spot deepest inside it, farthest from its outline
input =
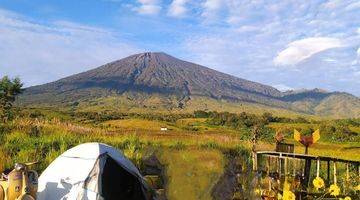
(132, 149)
(108, 115)
(235, 121)
(201, 114)
(3, 130)
(8, 91)
(339, 132)
(177, 145)
(210, 145)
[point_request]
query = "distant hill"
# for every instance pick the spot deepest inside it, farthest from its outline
(157, 81)
(324, 103)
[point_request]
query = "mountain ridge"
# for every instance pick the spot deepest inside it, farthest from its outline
(160, 73)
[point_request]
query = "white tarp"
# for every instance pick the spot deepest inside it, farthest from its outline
(64, 178)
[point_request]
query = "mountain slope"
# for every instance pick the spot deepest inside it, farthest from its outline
(161, 73)
(173, 83)
(323, 103)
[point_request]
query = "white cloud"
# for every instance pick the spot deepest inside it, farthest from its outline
(330, 60)
(356, 61)
(178, 8)
(43, 52)
(300, 50)
(246, 28)
(332, 4)
(212, 4)
(237, 37)
(148, 7)
(244, 37)
(211, 8)
(353, 6)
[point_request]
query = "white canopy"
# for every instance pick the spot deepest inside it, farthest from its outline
(91, 171)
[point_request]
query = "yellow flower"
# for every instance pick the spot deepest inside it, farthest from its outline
(357, 188)
(334, 190)
(318, 183)
(286, 185)
(288, 195)
(347, 198)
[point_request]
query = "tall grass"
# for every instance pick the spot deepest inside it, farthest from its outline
(33, 140)
(194, 159)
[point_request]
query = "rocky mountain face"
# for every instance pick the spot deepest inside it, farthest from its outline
(164, 75)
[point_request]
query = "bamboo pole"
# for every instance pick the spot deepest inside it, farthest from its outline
(285, 166)
(335, 178)
(294, 161)
(318, 168)
(268, 165)
(279, 160)
(255, 161)
(328, 172)
(347, 173)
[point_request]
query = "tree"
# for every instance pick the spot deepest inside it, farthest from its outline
(9, 88)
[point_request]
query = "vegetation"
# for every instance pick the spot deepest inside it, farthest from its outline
(192, 173)
(344, 130)
(8, 91)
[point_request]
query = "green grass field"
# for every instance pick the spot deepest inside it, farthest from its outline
(192, 173)
(192, 150)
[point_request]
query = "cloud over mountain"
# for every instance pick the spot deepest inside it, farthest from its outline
(300, 50)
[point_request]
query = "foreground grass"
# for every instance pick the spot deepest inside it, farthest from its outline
(192, 173)
(191, 150)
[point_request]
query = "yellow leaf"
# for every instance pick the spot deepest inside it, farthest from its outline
(297, 135)
(316, 136)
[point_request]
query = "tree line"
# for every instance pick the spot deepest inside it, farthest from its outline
(340, 130)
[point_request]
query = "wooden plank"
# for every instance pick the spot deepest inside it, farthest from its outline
(307, 173)
(328, 172)
(304, 156)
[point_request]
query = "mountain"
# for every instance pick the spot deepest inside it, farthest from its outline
(324, 103)
(159, 81)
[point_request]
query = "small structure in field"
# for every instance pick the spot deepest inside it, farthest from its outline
(163, 129)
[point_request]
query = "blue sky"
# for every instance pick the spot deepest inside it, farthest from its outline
(289, 44)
